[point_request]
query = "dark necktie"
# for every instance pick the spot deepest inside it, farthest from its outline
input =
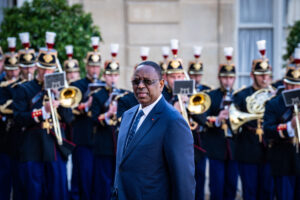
(133, 128)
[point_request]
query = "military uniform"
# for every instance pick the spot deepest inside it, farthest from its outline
(219, 141)
(7, 127)
(283, 156)
(82, 136)
(250, 152)
(71, 65)
(43, 160)
(104, 146)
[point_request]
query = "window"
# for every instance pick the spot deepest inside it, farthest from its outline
(259, 20)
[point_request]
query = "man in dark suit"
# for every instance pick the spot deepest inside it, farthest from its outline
(155, 157)
(280, 129)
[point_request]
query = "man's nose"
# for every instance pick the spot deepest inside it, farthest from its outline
(141, 84)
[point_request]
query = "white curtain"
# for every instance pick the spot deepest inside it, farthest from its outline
(254, 12)
(248, 50)
(293, 11)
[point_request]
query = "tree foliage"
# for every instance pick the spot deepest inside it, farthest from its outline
(70, 23)
(293, 40)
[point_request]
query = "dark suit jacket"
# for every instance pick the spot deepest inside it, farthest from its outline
(159, 161)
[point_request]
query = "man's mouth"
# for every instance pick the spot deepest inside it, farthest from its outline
(142, 94)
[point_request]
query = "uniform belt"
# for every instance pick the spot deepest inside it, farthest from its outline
(250, 129)
(37, 127)
(285, 141)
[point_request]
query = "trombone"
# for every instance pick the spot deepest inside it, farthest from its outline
(198, 104)
(69, 97)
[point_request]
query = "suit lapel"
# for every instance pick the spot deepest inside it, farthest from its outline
(125, 129)
(145, 127)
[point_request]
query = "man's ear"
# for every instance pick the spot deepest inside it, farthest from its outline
(161, 84)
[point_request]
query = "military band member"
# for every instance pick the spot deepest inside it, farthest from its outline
(175, 72)
(104, 110)
(6, 123)
(195, 70)
(280, 128)
(164, 64)
(82, 128)
(43, 160)
(219, 141)
(27, 65)
(251, 144)
(71, 66)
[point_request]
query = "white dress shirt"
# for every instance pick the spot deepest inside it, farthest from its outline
(146, 111)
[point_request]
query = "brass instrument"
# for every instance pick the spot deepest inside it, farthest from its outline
(55, 121)
(113, 97)
(296, 138)
(238, 118)
(198, 104)
(256, 108)
(69, 96)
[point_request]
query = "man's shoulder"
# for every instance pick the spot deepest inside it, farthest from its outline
(80, 82)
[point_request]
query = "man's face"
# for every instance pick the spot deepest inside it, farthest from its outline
(27, 70)
(73, 76)
(227, 81)
(196, 77)
(146, 85)
(173, 77)
(261, 81)
(41, 72)
(291, 86)
(93, 71)
(12, 74)
(111, 79)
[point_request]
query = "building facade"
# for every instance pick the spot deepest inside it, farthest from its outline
(213, 24)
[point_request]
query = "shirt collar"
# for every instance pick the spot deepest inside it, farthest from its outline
(148, 109)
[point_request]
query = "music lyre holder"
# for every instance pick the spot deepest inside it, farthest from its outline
(292, 98)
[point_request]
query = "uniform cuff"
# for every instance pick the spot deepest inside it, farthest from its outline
(45, 114)
(290, 130)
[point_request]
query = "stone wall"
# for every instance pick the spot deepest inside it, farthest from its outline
(136, 23)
